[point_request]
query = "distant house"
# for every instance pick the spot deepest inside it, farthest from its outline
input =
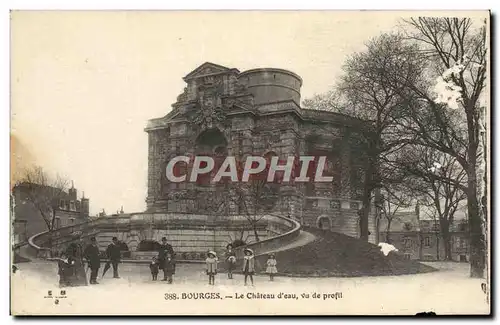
(28, 221)
(421, 239)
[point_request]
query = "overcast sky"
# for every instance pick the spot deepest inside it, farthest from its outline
(84, 84)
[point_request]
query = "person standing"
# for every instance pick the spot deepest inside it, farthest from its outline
(169, 268)
(75, 255)
(211, 267)
(94, 261)
(65, 270)
(154, 268)
(114, 255)
(271, 266)
(230, 260)
(248, 264)
(164, 249)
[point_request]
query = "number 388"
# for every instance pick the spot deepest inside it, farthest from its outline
(170, 296)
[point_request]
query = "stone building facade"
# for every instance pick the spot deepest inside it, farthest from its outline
(28, 221)
(223, 111)
(421, 239)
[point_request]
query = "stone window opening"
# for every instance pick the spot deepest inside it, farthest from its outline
(323, 222)
(57, 222)
(407, 242)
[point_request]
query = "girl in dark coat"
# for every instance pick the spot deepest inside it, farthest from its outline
(169, 268)
(230, 260)
(154, 266)
(248, 265)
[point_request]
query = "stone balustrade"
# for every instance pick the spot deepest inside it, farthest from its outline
(191, 234)
(292, 228)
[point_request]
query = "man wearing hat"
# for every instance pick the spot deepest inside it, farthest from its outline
(74, 252)
(165, 249)
(93, 259)
(114, 255)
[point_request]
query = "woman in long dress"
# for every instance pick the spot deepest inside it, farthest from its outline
(75, 255)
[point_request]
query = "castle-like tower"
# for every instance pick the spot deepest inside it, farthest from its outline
(224, 111)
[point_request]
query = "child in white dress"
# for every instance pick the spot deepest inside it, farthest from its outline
(271, 266)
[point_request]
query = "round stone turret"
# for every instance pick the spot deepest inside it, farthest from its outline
(269, 85)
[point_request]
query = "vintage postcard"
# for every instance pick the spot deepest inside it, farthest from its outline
(250, 162)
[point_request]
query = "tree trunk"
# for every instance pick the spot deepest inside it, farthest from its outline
(420, 244)
(366, 200)
(437, 246)
(477, 258)
(388, 233)
(257, 238)
(447, 247)
(476, 237)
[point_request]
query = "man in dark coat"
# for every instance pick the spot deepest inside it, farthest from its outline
(114, 255)
(93, 259)
(166, 248)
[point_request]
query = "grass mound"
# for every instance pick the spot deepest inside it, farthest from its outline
(337, 255)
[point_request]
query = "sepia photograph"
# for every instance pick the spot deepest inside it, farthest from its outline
(185, 163)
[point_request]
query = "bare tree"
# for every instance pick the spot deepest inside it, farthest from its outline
(456, 52)
(43, 192)
(254, 199)
(392, 200)
(214, 203)
(367, 91)
(438, 182)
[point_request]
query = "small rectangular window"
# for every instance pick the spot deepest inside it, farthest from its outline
(427, 241)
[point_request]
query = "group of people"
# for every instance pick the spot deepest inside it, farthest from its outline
(71, 263)
(164, 261)
(248, 264)
(72, 272)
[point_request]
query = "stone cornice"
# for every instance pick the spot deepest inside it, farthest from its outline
(275, 108)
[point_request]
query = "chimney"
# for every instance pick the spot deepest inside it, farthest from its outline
(72, 192)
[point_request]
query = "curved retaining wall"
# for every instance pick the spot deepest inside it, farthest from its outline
(281, 231)
(293, 231)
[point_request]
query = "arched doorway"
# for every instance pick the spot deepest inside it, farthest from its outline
(212, 143)
(148, 246)
(324, 223)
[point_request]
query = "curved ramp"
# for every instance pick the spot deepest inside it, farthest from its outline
(304, 238)
(287, 232)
